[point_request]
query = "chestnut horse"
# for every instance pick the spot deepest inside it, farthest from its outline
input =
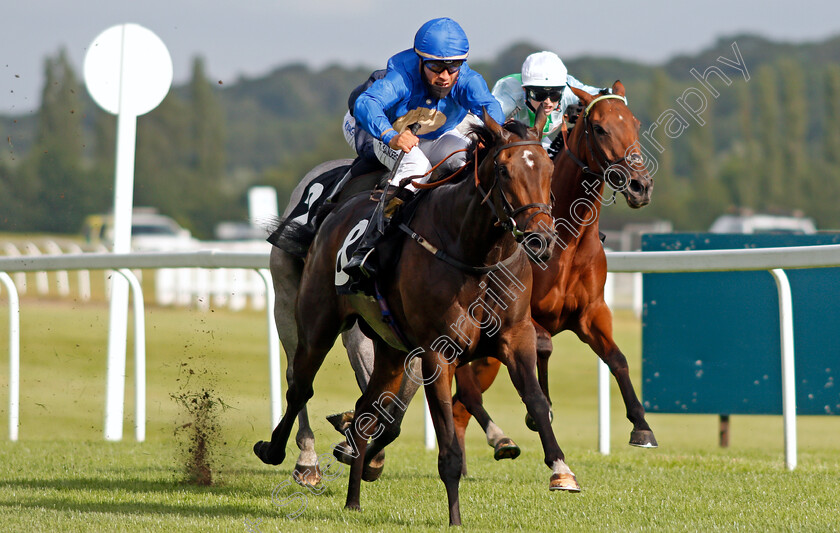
(472, 228)
(568, 291)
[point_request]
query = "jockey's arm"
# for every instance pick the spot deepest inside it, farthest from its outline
(371, 105)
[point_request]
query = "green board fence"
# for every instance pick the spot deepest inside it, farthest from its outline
(710, 341)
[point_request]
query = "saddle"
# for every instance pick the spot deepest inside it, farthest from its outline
(294, 233)
(388, 249)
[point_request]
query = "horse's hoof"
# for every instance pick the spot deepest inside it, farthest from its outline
(567, 482)
(262, 449)
(307, 476)
(643, 438)
(506, 449)
(374, 468)
(353, 507)
(532, 424)
(341, 421)
(342, 453)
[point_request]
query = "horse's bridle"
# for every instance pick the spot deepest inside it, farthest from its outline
(507, 223)
(509, 212)
(594, 149)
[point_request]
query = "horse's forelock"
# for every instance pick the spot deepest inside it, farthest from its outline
(520, 129)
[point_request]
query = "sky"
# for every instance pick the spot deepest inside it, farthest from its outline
(251, 38)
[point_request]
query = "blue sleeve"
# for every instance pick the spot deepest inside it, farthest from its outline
(371, 106)
(480, 98)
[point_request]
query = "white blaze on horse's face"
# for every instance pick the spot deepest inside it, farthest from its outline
(526, 155)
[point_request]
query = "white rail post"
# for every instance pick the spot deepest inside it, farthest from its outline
(139, 354)
(83, 275)
(14, 356)
(603, 408)
(273, 351)
(428, 424)
(788, 373)
(42, 283)
(62, 279)
(20, 277)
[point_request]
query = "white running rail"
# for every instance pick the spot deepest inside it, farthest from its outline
(774, 260)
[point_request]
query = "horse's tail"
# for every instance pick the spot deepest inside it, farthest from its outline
(293, 237)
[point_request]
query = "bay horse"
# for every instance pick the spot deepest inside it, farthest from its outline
(474, 224)
(568, 291)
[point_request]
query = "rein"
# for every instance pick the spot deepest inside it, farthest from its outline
(508, 223)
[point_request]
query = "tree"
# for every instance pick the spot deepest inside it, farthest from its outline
(709, 196)
(827, 174)
(669, 191)
(769, 138)
(740, 172)
(207, 148)
(54, 189)
(794, 125)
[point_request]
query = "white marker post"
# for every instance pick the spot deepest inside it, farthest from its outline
(128, 72)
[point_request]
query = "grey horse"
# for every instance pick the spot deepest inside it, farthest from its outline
(286, 269)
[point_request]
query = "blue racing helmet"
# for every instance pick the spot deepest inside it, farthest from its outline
(441, 39)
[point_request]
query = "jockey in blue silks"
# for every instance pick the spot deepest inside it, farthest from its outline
(430, 85)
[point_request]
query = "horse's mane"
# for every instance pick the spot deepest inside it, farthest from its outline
(483, 137)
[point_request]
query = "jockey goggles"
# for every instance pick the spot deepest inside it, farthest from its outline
(539, 94)
(439, 65)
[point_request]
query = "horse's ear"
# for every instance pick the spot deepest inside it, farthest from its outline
(492, 124)
(584, 97)
(618, 88)
(540, 120)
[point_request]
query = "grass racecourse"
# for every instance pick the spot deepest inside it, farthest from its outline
(62, 476)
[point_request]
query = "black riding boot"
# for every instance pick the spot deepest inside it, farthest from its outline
(363, 263)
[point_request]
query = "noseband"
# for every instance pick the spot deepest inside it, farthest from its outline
(507, 221)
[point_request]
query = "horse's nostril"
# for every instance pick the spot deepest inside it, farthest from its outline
(636, 186)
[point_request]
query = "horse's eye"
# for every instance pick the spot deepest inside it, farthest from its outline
(599, 130)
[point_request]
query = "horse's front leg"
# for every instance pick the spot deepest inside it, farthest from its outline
(374, 420)
(596, 330)
(520, 358)
(450, 458)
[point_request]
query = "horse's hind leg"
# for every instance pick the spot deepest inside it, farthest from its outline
(596, 331)
(361, 354)
(316, 336)
(544, 348)
(285, 274)
(472, 380)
